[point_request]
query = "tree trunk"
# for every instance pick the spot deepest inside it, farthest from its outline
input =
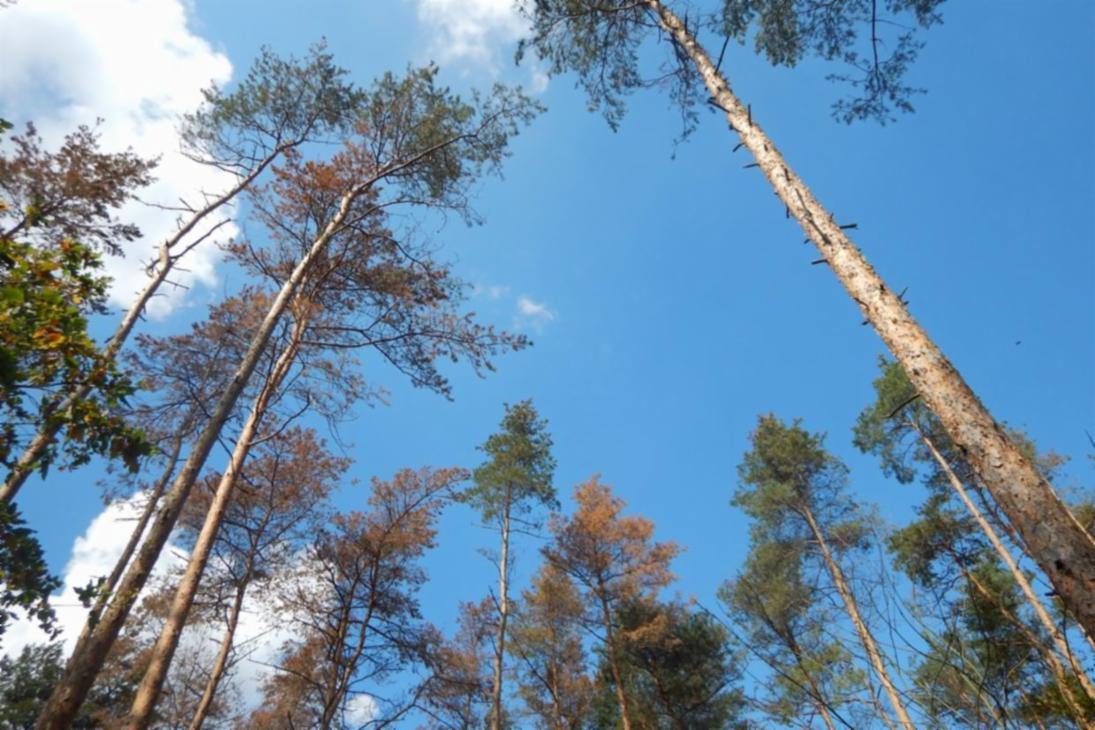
(815, 692)
(1059, 544)
(221, 663)
(614, 663)
(865, 637)
(140, 715)
(1048, 657)
(87, 660)
(1016, 572)
(48, 431)
(106, 590)
(503, 616)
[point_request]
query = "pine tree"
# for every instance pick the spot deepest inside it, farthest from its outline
(508, 488)
(600, 41)
(794, 490)
(612, 559)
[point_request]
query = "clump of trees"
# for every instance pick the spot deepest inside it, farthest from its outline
(834, 620)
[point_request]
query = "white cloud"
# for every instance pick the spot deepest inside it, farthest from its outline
(137, 65)
(93, 555)
(478, 32)
(361, 710)
(259, 635)
(533, 313)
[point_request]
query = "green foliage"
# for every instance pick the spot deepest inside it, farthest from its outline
(520, 467)
(598, 41)
(281, 102)
(48, 288)
(601, 41)
(45, 351)
(788, 473)
(25, 582)
(786, 31)
(679, 671)
(981, 670)
(780, 599)
(432, 143)
(784, 619)
(27, 680)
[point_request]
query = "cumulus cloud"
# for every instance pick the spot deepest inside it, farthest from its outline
(138, 66)
(259, 635)
(477, 32)
(94, 554)
(533, 313)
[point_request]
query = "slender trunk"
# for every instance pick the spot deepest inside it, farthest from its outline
(221, 663)
(106, 590)
(84, 665)
(1059, 544)
(148, 693)
(826, 717)
(556, 708)
(342, 684)
(815, 692)
(1040, 611)
(47, 432)
(1053, 664)
(503, 617)
(819, 701)
(865, 637)
(614, 662)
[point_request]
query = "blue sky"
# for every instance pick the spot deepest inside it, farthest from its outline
(675, 301)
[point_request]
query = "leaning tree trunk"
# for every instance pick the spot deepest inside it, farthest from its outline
(1040, 611)
(1058, 543)
(220, 664)
(88, 657)
(140, 715)
(614, 663)
(168, 257)
(865, 638)
(1053, 664)
(106, 590)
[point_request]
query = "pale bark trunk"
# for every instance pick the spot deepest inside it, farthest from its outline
(865, 637)
(816, 695)
(1060, 676)
(221, 663)
(614, 663)
(1059, 544)
(1017, 574)
(106, 590)
(47, 433)
(503, 616)
(148, 692)
(87, 660)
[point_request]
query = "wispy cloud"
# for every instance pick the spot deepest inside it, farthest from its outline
(531, 313)
(70, 62)
(490, 291)
(477, 32)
